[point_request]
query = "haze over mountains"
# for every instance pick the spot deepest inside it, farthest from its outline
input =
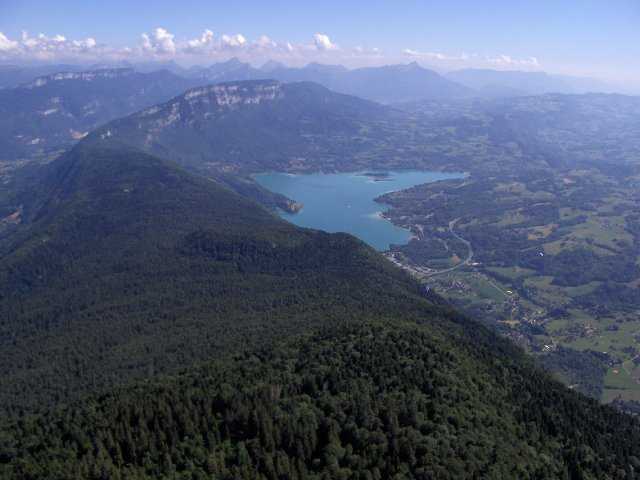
(52, 112)
(48, 113)
(386, 84)
(407, 82)
(505, 83)
(15, 75)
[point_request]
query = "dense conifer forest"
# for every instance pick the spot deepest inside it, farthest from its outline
(133, 267)
(365, 401)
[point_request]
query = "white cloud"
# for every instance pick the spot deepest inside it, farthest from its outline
(202, 44)
(436, 55)
(86, 44)
(209, 45)
(474, 60)
(364, 53)
(323, 42)
(233, 41)
(212, 46)
(265, 42)
(6, 44)
(42, 47)
(160, 42)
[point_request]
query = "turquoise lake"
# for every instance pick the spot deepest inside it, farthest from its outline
(344, 202)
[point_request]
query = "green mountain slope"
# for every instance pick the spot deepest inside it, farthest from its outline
(131, 266)
(359, 401)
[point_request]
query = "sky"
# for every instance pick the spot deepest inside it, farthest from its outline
(598, 38)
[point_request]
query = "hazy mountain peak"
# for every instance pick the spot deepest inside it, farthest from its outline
(232, 69)
(233, 61)
(321, 67)
(507, 83)
(86, 76)
(271, 65)
(413, 67)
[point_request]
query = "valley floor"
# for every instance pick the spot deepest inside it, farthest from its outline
(556, 274)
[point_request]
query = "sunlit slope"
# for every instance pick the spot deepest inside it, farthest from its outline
(132, 266)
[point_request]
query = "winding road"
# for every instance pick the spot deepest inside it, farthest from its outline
(466, 261)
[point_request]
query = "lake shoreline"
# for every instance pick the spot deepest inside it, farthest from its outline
(349, 201)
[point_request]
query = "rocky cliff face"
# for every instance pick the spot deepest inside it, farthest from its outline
(89, 76)
(201, 104)
(203, 101)
(257, 125)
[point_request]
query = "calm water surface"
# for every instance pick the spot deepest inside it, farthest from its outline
(343, 202)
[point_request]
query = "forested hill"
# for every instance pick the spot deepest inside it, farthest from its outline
(328, 362)
(370, 401)
(129, 266)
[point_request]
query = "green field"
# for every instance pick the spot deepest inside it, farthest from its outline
(559, 252)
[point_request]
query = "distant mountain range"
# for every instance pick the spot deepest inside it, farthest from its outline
(49, 113)
(400, 83)
(260, 125)
(500, 83)
(45, 116)
(387, 84)
(52, 112)
(14, 75)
